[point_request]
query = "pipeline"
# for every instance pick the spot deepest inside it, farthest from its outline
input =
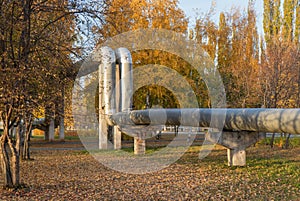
(256, 119)
(116, 66)
(124, 61)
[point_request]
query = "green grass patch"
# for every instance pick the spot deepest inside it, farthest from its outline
(38, 137)
(56, 137)
(279, 141)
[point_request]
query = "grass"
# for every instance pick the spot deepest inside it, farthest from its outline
(272, 168)
(279, 141)
(56, 137)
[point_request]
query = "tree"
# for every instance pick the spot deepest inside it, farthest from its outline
(35, 45)
(279, 73)
(289, 8)
(15, 55)
(234, 46)
(279, 64)
(297, 22)
(123, 16)
(272, 18)
(246, 61)
(280, 58)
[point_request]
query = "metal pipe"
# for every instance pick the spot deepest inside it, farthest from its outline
(260, 119)
(107, 79)
(123, 58)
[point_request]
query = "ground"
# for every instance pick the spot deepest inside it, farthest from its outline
(57, 173)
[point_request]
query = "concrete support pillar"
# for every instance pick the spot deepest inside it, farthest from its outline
(236, 157)
(103, 133)
(117, 138)
(236, 144)
(139, 146)
(51, 130)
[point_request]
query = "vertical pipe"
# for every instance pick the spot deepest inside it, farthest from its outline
(126, 91)
(125, 66)
(116, 132)
(109, 79)
(106, 94)
(118, 88)
(124, 88)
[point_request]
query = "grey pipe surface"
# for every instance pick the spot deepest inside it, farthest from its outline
(260, 119)
(123, 58)
(107, 75)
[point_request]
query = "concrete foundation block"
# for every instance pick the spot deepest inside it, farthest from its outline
(117, 138)
(139, 146)
(236, 157)
(236, 143)
(103, 133)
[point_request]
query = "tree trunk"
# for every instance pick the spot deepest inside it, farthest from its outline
(46, 135)
(9, 154)
(272, 140)
(15, 167)
(19, 138)
(5, 163)
(51, 130)
(287, 142)
(26, 151)
(62, 115)
(15, 163)
(26, 145)
(48, 114)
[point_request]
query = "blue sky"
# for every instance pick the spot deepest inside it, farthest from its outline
(191, 7)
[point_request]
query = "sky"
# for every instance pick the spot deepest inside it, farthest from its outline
(191, 7)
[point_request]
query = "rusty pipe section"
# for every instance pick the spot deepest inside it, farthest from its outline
(260, 119)
(124, 61)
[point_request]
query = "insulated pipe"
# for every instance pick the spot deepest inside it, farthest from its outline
(260, 120)
(124, 61)
(107, 77)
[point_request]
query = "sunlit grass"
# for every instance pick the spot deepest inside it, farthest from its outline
(56, 137)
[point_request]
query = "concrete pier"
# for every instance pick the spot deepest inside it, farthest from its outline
(139, 146)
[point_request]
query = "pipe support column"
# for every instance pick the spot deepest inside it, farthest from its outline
(117, 138)
(139, 146)
(236, 143)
